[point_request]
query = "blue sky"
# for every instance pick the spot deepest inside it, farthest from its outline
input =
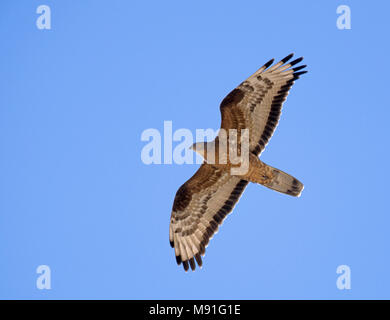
(75, 195)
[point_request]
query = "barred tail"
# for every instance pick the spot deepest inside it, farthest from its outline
(284, 183)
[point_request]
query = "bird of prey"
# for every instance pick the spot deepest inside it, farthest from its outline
(202, 203)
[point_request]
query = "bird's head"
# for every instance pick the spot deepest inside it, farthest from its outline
(200, 147)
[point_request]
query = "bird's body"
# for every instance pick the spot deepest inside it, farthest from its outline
(250, 111)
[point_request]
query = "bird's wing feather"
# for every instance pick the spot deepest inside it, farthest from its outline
(256, 103)
(200, 206)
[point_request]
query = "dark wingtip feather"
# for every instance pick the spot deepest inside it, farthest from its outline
(299, 68)
(266, 65)
(171, 243)
(178, 260)
(297, 74)
(185, 265)
(192, 264)
(198, 259)
(284, 60)
(296, 61)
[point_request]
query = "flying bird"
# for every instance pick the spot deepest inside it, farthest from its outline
(202, 203)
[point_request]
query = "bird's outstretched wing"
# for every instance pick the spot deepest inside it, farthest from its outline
(200, 206)
(256, 103)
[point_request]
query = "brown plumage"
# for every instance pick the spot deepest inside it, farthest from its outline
(202, 203)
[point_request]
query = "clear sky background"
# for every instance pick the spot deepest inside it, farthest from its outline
(75, 195)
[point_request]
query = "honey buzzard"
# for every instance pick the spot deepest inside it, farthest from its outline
(202, 203)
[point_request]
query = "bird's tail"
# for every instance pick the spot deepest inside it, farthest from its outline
(284, 183)
(278, 180)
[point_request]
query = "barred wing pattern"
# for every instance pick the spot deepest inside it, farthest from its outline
(256, 103)
(200, 206)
